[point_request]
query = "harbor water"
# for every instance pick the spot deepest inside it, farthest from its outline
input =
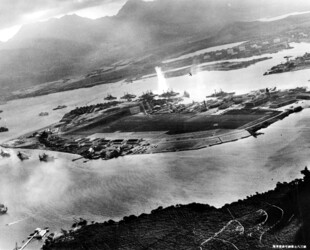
(53, 194)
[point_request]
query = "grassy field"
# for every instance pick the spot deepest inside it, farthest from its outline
(176, 123)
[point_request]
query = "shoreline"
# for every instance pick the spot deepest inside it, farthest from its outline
(260, 220)
(221, 66)
(205, 142)
(84, 138)
(140, 71)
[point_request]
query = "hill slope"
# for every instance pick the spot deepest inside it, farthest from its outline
(277, 217)
(74, 45)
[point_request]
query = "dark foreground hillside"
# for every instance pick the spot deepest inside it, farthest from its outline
(277, 217)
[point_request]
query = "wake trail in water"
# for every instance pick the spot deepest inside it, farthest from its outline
(15, 222)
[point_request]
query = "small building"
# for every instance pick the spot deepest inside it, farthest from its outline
(135, 110)
(117, 141)
(281, 103)
(133, 141)
(230, 51)
(241, 48)
(206, 57)
(277, 40)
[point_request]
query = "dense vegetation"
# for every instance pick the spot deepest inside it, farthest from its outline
(278, 217)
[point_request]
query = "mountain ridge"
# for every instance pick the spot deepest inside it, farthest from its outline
(78, 44)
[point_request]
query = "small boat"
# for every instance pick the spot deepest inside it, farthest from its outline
(45, 157)
(60, 107)
(4, 154)
(43, 114)
(109, 97)
(4, 129)
(22, 156)
(3, 209)
(169, 94)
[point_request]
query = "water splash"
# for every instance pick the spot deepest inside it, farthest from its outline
(162, 82)
(195, 68)
(198, 87)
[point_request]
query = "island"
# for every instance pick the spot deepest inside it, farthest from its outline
(222, 66)
(162, 123)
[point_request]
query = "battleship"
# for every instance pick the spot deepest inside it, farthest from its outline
(148, 96)
(221, 93)
(169, 94)
(128, 97)
(110, 97)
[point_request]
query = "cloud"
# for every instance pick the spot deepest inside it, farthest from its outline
(18, 12)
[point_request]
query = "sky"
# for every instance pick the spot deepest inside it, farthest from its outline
(15, 13)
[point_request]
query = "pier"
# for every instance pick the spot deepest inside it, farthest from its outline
(38, 233)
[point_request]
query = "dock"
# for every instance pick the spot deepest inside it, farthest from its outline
(27, 242)
(37, 232)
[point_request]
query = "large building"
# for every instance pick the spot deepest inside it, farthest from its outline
(256, 102)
